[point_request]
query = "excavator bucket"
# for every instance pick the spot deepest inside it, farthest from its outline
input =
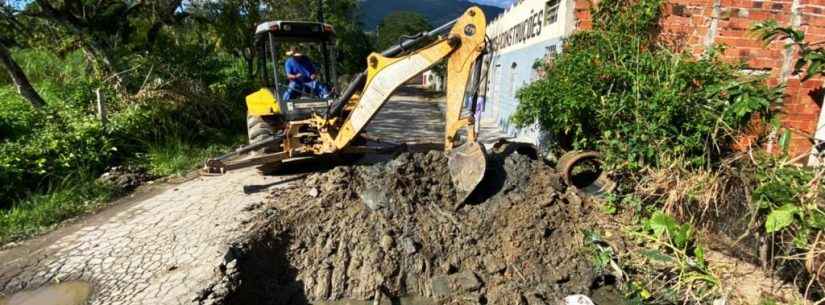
(468, 164)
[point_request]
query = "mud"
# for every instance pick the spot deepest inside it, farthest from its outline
(394, 229)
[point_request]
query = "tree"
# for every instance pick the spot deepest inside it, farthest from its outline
(811, 61)
(120, 38)
(104, 30)
(353, 44)
(18, 77)
(398, 24)
(83, 21)
(232, 24)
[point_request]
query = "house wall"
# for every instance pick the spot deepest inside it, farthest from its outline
(693, 26)
(523, 36)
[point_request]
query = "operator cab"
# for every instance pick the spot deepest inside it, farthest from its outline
(317, 41)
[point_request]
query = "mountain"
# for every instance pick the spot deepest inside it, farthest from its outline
(438, 12)
(499, 3)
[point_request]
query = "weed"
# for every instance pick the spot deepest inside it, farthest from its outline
(175, 156)
(42, 210)
(603, 254)
(789, 201)
(788, 194)
(670, 264)
(610, 204)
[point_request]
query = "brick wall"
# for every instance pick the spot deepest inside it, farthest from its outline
(696, 25)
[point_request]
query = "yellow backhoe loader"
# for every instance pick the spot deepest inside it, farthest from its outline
(313, 126)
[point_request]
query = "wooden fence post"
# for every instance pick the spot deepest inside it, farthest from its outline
(101, 109)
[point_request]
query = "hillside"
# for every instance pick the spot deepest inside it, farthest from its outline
(437, 11)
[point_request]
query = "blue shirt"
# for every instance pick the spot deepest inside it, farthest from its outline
(301, 65)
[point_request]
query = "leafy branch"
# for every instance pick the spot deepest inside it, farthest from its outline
(811, 60)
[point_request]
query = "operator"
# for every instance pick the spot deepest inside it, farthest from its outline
(302, 76)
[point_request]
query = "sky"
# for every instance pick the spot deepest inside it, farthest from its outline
(499, 3)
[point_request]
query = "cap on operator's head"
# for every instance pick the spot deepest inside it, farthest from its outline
(294, 51)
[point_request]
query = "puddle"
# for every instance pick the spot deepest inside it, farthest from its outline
(68, 293)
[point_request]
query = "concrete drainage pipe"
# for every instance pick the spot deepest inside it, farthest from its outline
(583, 170)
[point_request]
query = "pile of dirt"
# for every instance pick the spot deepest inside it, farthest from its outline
(394, 229)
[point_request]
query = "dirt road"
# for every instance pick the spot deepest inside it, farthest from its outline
(166, 248)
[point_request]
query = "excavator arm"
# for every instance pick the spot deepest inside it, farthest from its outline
(462, 47)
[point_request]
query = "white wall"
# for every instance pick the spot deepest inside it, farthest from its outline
(523, 35)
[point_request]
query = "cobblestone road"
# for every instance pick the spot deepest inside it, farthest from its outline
(158, 251)
(167, 248)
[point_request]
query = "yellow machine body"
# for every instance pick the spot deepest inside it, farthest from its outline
(262, 103)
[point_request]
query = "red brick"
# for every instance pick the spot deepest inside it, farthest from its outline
(812, 2)
(737, 42)
(811, 84)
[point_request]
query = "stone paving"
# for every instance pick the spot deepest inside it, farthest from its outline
(159, 251)
(167, 248)
(409, 118)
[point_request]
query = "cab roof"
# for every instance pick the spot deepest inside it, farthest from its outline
(297, 30)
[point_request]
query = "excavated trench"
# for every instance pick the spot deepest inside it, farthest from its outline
(392, 233)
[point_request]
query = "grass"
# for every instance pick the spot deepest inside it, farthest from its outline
(80, 194)
(175, 156)
(42, 211)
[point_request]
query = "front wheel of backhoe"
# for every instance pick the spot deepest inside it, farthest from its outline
(258, 129)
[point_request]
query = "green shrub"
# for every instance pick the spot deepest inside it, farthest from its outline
(57, 148)
(17, 117)
(185, 104)
(614, 89)
(39, 148)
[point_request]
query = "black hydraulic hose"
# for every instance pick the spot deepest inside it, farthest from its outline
(478, 73)
(405, 45)
(275, 139)
(475, 85)
(337, 108)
